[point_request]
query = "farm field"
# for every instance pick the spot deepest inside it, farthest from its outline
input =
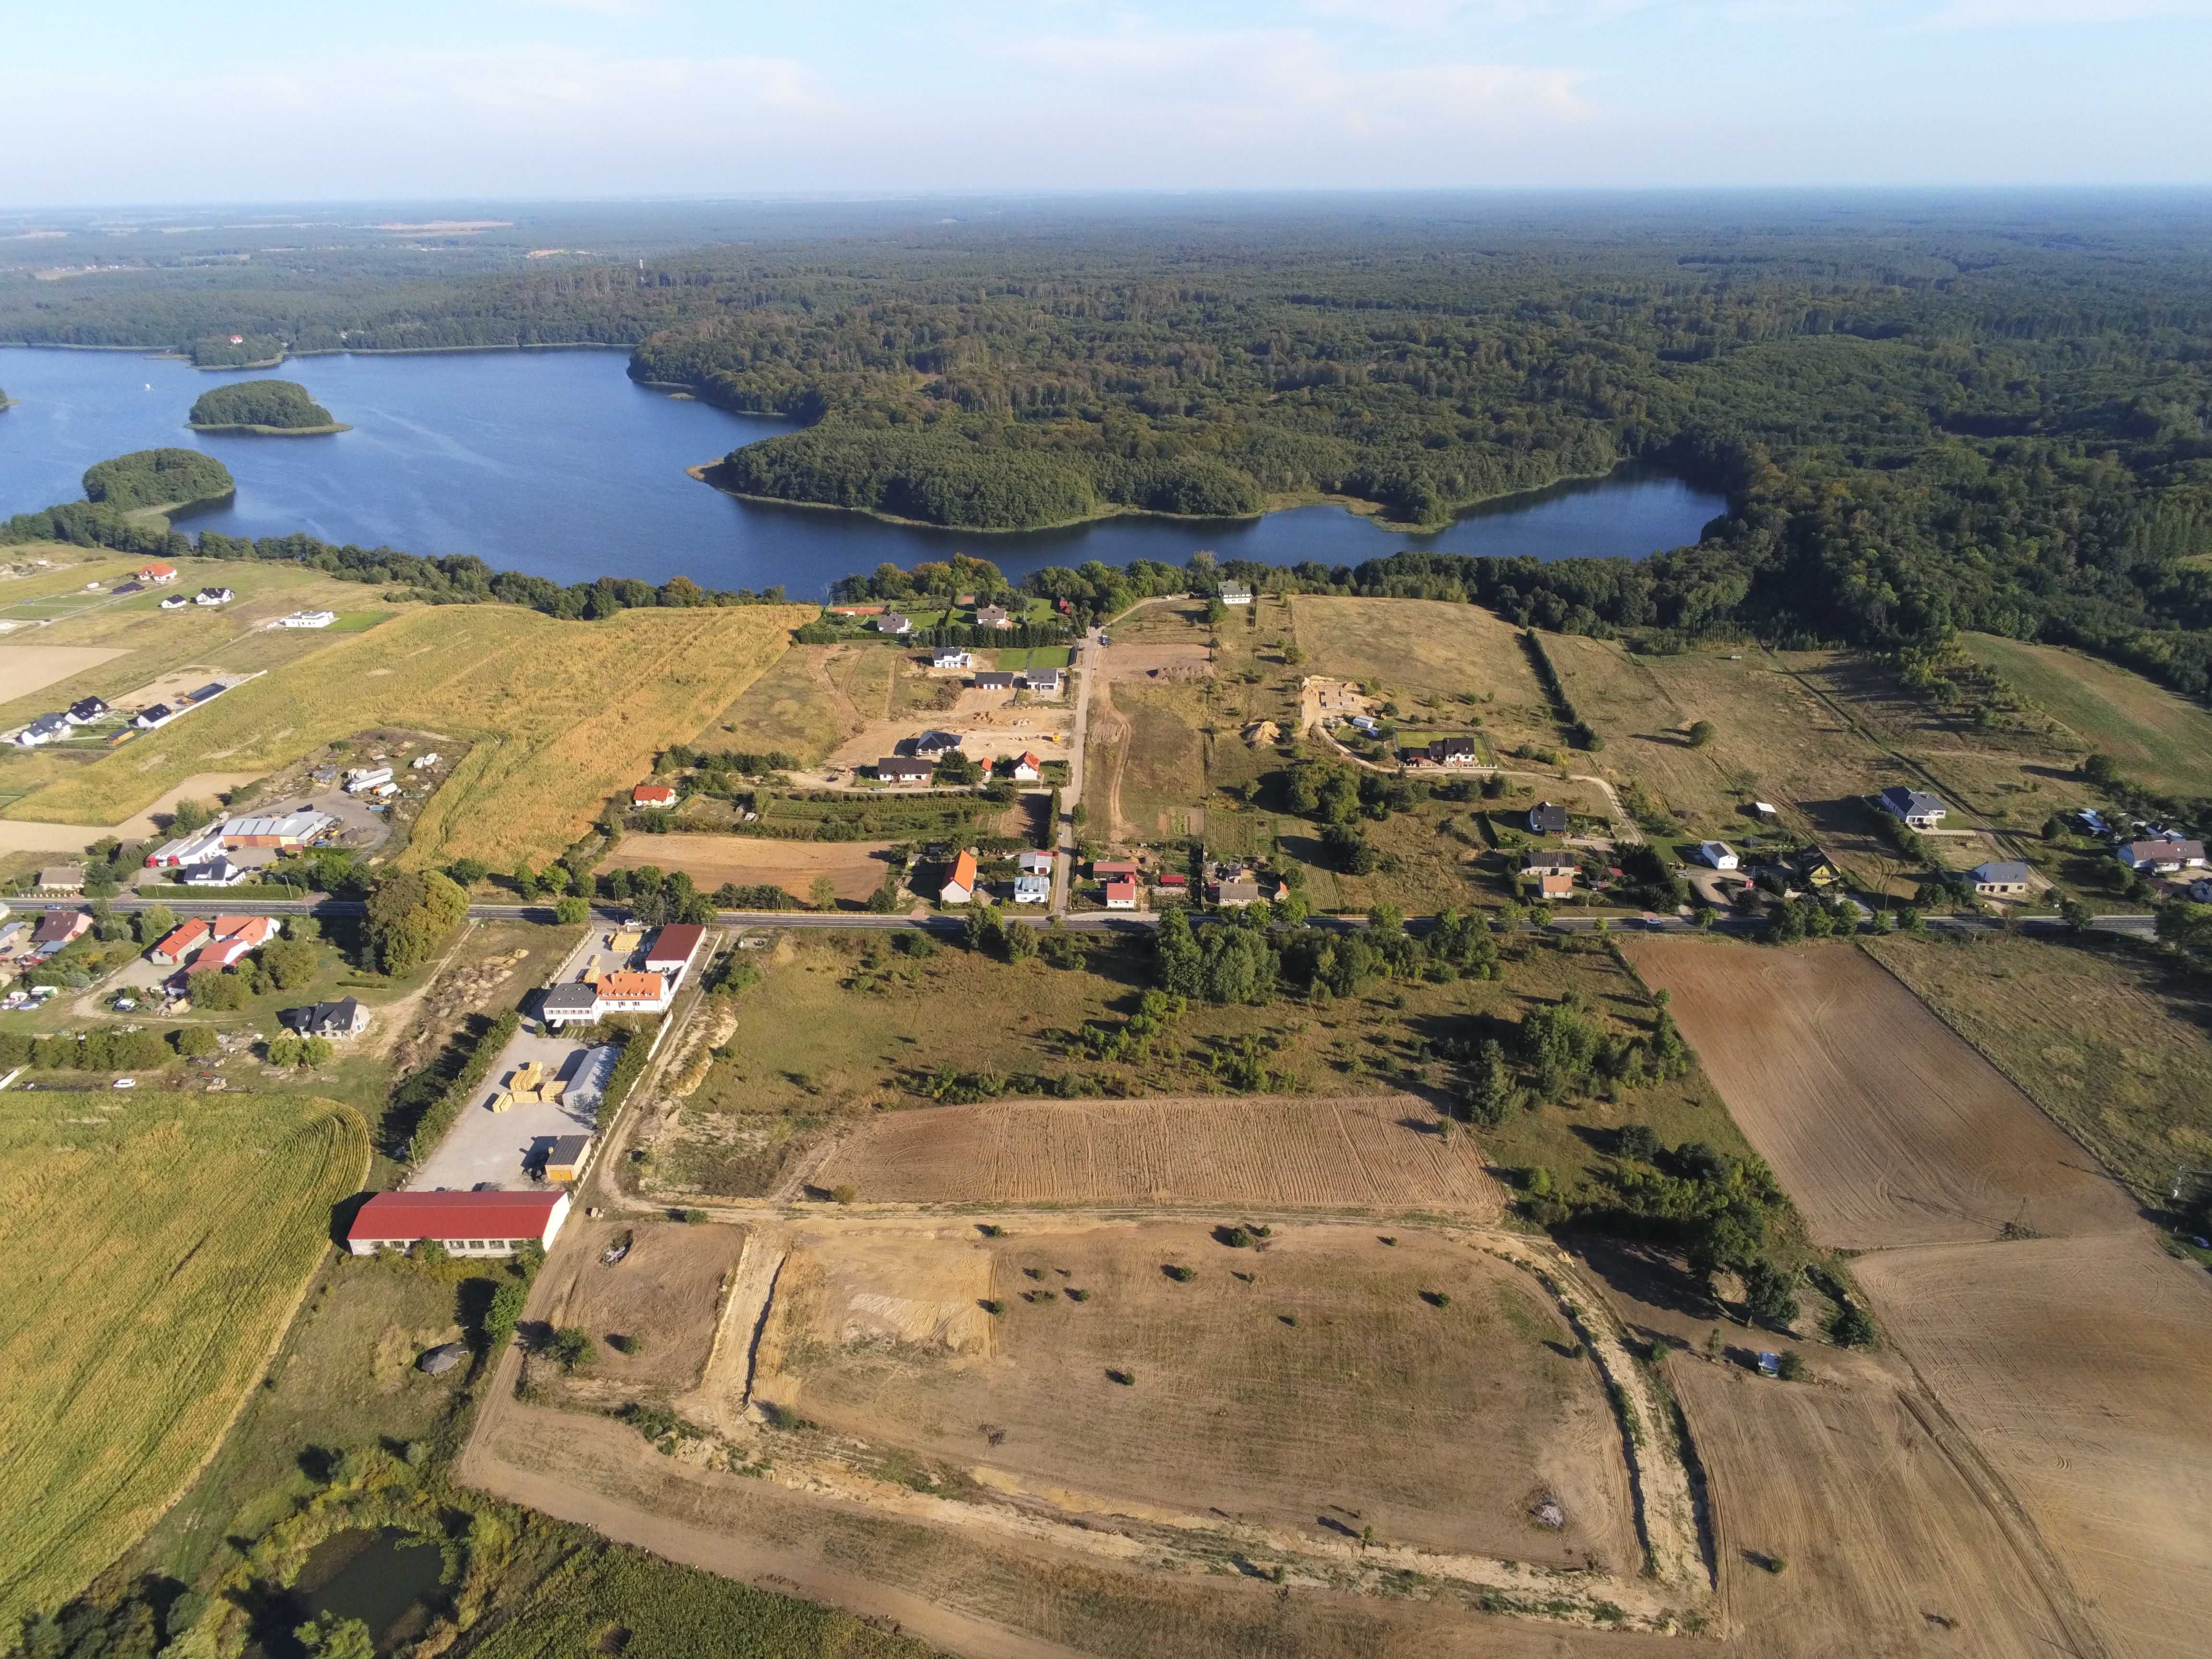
(562, 715)
(857, 866)
(1377, 1153)
(1884, 1125)
(2110, 1042)
(2079, 1367)
(2156, 738)
(797, 706)
(1428, 650)
(126, 1353)
(26, 669)
(1314, 1373)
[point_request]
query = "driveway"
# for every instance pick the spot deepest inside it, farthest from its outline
(493, 1150)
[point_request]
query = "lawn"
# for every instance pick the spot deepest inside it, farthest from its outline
(146, 1266)
(1043, 656)
(2108, 1039)
(563, 715)
(2157, 739)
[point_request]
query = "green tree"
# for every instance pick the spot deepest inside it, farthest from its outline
(570, 911)
(316, 1051)
(1702, 732)
(504, 1313)
(197, 1042)
(329, 1637)
(1490, 1085)
(822, 894)
(291, 962)
(284, 1049)
(155, 923)
(1175, 961)
(411, 913)
(1768, 1294)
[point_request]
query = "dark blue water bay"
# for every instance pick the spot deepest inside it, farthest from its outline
(556, 462)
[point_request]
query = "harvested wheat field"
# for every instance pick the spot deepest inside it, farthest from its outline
(1891, 1544)
(1379, 1152)
(27, 668)
(2081, 1368)
(856, 866)
(1886, 1126)
(666, 1295)
(1280, 1386)
(563, 716)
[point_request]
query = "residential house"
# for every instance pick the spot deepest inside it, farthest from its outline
(1546, 861)
(156, 572)
(62, 879)
(1718, 853)
(173, 948)
(1175, 887)
(566, 1158)
(2160, 856)
(1236, 593)
(1815, 869)
(1035, 862)
(1766, 811)
(2093, 821)
(1108, 869)
(674, 949)
(1120, 896)
(1547, 818)
(59, 927)
(1367, 726)
(2000, 878)
(1451, 751)
(578, 1000)
(43, 730)
(1915, 808)
(992, 680)
(936, 743)
(280, 829)
(949, 656)
(305, 618)
(213, 872)
(345, 1018)
(465, 1224)
(85, 710)
(214, 596)
(900, 769)
(160, 714)
(1046, 682)
(1231, 892)
(654, 794)
(626, 992)
(175, 602)
(892, 621)
(993, 616)
(1556, 886)
(1032, 890)
(960, 885)
(1027, 768)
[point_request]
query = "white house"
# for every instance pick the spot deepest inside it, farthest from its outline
(952, 657)
(1915, 808)
(307, 619)
(1120, 896)
(892, 621)
(175, 602)
(214, 596)
(1035, 862)
(1236, 593)
(1028, 769)
(44, 729)
(1032, 890)
(1718, 853)
(960, 885)
(2001, 879)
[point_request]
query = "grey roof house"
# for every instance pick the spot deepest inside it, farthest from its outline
(1915, 808)
(1547, 818)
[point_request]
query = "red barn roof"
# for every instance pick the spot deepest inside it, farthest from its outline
(676, 944)
(444, 1216)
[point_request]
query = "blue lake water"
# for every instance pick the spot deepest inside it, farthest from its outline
(556, 462)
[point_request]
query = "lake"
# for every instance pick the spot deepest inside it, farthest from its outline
(556, 462)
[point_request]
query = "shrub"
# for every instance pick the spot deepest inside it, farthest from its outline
(1853, 1328)
(1792, 1366)
(571, 1346)
(1181, 1275)
(504, 1314)
(1701, 733)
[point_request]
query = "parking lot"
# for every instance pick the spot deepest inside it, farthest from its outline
(488, 1150)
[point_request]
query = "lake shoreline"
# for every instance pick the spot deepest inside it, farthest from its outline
(239, 428)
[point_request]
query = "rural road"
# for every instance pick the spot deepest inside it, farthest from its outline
(1082, 664)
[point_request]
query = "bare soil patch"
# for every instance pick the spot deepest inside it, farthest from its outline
(666, 1294)
(857, 866)
(27, 668)
(1884, 1125)
(1432, 1425)
(2081, 1367)
(1380, 1152)
(1173, 660)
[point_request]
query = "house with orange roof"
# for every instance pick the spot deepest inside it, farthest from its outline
(157, 572)
(654, 794)
(627, 992)
(960, 886)
(174, 947)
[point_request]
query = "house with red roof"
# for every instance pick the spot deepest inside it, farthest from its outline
(157, 572)
(1028, 769)
(465, 1223)
(960, 886)
(654, 794)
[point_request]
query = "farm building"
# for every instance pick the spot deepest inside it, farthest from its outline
(1915, 808)
(1032, 890)
(346, 1018)
(951, 656)
(308, 619)
(993, 616)
(62, 879)
(2161, 856)
(85, 710)
(654, 794)
(892, 622)
(901, 769)
(1034, 862)
(1546, 861)
(467, 1224)
(44, 729)
(1547, 818)
(1122, 896)
(1717, 854)
(1367, 724)
(173, 948)
(565, 1158)
(1236, 593)
(281, 829)
(2001, 879)
(1028, 769)
(157, 572)
(960, 884)
(1105, 869)
(1766, 811)
(673, 949)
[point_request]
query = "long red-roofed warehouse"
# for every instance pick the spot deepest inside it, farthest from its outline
(467, 1224)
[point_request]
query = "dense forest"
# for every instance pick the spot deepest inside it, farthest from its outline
(1993, 413)
(284, 404)
(156, 477)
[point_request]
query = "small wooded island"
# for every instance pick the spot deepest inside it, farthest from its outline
(277, 408)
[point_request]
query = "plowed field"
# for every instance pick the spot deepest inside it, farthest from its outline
(1886, 1126)
(2081, 1368)
(1375, 1152)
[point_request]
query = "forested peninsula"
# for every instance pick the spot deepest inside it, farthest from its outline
(156, 478)
(274, 408)
(1993, 414)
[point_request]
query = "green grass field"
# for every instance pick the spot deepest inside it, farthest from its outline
(151, 1248)
(2157, 738)
(1043, 656)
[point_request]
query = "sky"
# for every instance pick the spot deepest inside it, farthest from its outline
(148, 101)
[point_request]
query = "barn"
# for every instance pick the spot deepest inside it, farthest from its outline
(467, 1224)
